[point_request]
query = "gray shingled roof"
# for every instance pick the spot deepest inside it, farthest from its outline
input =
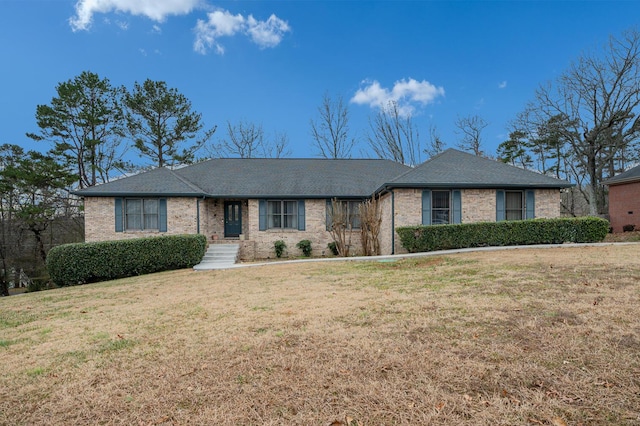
(457, 169)
(264, 177)
(321, 178)
(268, 177)
(160, 181)
(630, 175)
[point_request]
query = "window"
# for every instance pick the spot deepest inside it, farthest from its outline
(141, 214)
(514, 205)
(352, 211)
(282, 214)
(440, 207)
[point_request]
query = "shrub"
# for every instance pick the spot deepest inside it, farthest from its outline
(305, 246)
(333, 247)
(628, 228)
(81, 263)
(539, 231)
(280, 247)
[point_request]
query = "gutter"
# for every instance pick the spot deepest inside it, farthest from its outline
(614, 182)
(198, 215)
(393, 222)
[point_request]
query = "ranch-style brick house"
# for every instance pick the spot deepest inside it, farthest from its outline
(254, 202)
(624, 199)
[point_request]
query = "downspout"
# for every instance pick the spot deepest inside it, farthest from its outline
(198, 215)
(393, 223)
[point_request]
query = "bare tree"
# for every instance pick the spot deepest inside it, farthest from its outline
(340, 226)
(470, 131)
(436, 144)
(370, 222)
(330, 132)
(392, 136)
(243, 139)
(597, 101)
(247, 140)
(278, 147)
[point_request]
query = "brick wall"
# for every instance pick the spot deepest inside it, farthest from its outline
(315, 231)
(478, 205)
(99, 219)
(385, 226)
(212, 217)
(624, 205)
(407, 212)
(547, 203)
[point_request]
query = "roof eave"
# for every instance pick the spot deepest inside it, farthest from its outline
(613, 182)
(474, 185)
(138, 194)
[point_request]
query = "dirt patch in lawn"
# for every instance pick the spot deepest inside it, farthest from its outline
(547, 337)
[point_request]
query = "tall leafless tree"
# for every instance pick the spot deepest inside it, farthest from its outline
(436, 144)
(246, 139)
(278, 147)
(470, 131)
(330, 132)
(392, 136)
(598, 102)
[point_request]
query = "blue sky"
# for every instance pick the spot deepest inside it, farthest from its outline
(271, 62)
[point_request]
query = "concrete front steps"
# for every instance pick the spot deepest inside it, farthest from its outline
(219, 256)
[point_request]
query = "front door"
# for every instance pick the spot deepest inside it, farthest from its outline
(232, 218)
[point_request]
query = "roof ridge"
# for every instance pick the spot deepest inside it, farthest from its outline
(185, 181)
(290, 159)
(422, 164)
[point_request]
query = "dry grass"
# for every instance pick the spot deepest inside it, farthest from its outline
(526, 337)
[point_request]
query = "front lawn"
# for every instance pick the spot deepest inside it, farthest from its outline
(514, 337)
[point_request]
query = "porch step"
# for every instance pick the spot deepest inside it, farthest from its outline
(219, 256)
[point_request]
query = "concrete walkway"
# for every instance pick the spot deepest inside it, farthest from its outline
(393, 257)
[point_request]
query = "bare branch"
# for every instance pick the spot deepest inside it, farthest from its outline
(330, 132)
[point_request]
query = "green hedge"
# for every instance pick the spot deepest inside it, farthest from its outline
(507, 233)
(81, 263)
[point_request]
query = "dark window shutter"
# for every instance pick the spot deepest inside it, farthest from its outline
(457, 206)
(426, 207)
(162, 215)
(262, 215)
(500, 212)
(118, 215)
(530, 204)
(301, 215)
(328, 220)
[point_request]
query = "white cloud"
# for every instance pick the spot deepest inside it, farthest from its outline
(222, 23)
(502, 85)
(406, 93)
(156, 10)
(267, 33)
(219, 23)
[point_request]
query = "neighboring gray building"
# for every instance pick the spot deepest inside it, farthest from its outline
(258, 201)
